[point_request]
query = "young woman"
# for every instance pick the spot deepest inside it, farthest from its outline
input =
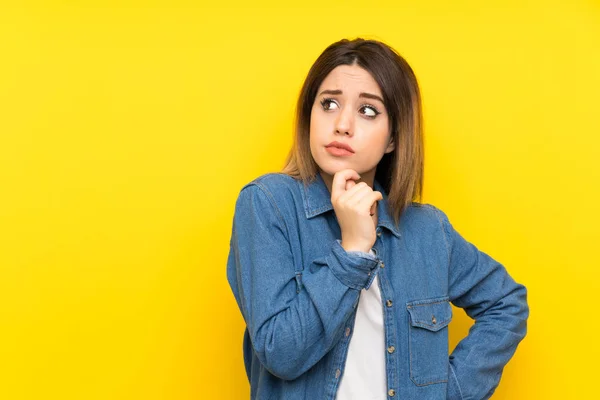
(344, 281)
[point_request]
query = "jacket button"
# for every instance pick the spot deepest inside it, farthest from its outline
(391, 349)
(389, 303)
(391, 392)
(379, 233)
(347, 332)
(382, 264)
(337, 373)
(433, 320)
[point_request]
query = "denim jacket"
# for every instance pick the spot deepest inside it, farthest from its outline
(298, 290)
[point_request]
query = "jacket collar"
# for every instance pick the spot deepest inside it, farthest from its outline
(317, 200)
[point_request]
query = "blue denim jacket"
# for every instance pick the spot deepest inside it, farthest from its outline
(298, 291)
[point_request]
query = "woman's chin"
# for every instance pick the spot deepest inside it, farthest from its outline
(331, 168)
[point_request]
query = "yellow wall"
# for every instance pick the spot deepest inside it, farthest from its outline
(127, 130)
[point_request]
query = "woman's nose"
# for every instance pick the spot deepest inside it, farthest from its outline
(344, 122)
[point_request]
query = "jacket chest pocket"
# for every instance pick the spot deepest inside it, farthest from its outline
(428, 340)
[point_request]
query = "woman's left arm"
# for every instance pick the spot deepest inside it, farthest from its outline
(489, 295)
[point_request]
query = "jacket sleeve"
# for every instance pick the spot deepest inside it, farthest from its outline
(488, 294)
(291, 326)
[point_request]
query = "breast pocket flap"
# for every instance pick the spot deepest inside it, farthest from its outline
(433, 314)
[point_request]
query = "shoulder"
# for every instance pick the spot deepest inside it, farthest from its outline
(275, 185)
(280, 189)
(423, 209)
(273, 182)
(424, 214)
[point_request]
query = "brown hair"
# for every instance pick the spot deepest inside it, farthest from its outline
(400, 172)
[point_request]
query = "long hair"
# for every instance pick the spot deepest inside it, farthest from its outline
(400, 172)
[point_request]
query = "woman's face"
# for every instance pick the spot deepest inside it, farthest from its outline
(349, 109)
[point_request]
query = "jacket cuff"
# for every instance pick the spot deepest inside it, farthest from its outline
(355, 269)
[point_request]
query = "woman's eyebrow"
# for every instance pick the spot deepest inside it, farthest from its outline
(365, 95)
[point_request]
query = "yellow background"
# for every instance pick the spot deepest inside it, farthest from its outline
(128, 128)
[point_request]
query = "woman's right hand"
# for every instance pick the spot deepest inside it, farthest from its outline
(352, 203)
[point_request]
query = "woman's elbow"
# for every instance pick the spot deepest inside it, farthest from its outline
(517, 306)
(278, 355)
(287, 370)
(520, 306)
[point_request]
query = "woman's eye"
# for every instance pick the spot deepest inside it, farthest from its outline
(367, 110)
(370, 111)
(326, 103)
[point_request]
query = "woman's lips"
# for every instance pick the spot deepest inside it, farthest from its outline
(336, 151)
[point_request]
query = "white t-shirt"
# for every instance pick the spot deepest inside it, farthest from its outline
(364, 376)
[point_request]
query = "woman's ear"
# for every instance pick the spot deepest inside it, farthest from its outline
(391, 146)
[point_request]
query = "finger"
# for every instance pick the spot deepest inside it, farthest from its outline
(374, 206)
(338, 186)
(355, 193)
(370, 202)
(350, 184)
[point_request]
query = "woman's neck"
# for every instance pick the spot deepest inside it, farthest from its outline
(367, 177)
